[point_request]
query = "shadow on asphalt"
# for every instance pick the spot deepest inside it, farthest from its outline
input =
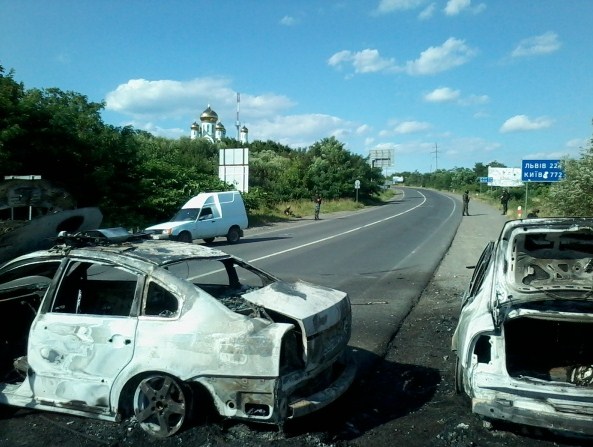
(387, 392)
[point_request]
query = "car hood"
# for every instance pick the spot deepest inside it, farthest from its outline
(165, 226)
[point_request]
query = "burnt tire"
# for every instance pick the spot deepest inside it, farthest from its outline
(162, 405)
(185, 236)
(233, 235)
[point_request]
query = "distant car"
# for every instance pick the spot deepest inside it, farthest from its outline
(524, 341)
(154, 329)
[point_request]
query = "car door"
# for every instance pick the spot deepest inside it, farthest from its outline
(85, 336)
(209, 222)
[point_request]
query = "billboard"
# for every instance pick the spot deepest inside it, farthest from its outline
(506, 177)
(381, 158)
(233, 167)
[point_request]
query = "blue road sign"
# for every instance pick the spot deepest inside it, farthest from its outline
(541, 171)
(486, 179)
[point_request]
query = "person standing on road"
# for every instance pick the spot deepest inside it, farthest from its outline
(504, 200)
(317, 206)
(466, 203)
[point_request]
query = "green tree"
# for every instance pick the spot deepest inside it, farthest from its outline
(572, 195)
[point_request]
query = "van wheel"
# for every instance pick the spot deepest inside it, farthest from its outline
(233, 235)
(185, 236)
(208, 240)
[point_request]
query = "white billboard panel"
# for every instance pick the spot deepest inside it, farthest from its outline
(381, 158)
(506, 177)
(233, 167)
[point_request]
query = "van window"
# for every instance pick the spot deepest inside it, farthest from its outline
(209, 213)
(226, 197)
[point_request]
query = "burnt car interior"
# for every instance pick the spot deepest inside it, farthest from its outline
(227, 284)
(560, 266)
(95, 289)
(557, 260)
(21, 291)
(549, 350)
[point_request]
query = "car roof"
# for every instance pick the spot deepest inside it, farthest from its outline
(156, 252)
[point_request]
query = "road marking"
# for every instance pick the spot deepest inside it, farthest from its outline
(362, 227)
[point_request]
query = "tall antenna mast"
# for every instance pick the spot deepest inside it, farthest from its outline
(238, 123)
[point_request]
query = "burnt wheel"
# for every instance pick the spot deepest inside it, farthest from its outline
(233, 235)
(185, 236)
(161, 405)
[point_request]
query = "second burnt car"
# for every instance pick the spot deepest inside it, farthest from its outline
(155, 329)
(524, 340)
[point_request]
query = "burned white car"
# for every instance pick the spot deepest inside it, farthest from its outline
(524, 341)
(153, 329)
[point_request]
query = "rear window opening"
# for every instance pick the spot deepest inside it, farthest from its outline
(550, 350)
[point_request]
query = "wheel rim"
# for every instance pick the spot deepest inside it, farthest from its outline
(160, 406)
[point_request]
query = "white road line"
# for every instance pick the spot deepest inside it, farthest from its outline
(370, 224)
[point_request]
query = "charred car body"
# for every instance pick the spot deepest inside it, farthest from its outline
(147, 328)
(524, 341)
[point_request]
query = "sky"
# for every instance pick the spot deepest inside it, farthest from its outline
(440, 84)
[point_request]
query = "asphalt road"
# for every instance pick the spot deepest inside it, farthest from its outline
(383, 257)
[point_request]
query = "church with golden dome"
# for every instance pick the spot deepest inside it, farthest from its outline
(213, 130)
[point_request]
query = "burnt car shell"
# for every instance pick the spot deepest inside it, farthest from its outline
(524, 341)
(266, 352)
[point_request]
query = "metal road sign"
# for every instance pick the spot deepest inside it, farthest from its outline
(486, 179)
(541, 171)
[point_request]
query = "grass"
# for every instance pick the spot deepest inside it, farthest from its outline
(300, 209)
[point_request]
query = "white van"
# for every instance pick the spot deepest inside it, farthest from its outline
(206, 216)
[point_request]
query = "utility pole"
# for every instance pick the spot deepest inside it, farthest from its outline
(436, 157)
(238, 123)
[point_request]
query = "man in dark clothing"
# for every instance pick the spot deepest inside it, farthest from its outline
(504, 200)
(466, 203)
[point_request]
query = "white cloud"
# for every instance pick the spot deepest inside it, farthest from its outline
(442, 94)
(387, 6)
(300, 130)
(147, 100)
(577, 143)
(408, 127)
(452, 53)
(543, 44)
(472, 100)
(365, 61)
(519, 123)
(288, 21)
(454, 7)
(363, 129)
(427, 12)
